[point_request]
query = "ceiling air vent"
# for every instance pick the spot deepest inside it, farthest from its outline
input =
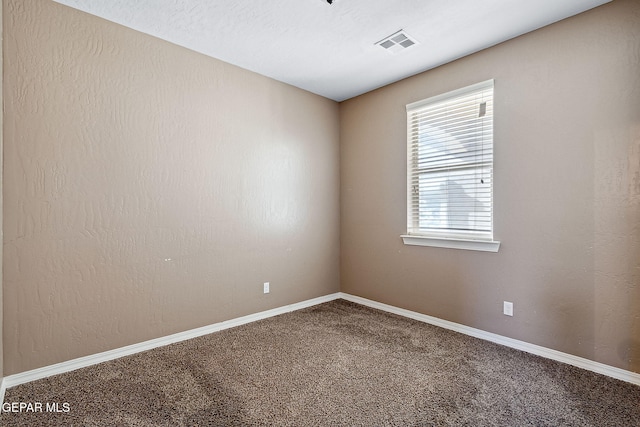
(397, 41)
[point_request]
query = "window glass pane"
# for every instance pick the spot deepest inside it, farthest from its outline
(457, 200)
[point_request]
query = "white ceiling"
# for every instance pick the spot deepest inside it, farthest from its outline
(329, 49)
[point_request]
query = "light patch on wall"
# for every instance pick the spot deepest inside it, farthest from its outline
(273, 188)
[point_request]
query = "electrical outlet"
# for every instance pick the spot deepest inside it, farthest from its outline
(266, 287)
(507, 308)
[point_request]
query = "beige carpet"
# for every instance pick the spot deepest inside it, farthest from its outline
(335, 364)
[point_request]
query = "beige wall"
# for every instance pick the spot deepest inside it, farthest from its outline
(567, 192)
(1, 183)
(150, 189)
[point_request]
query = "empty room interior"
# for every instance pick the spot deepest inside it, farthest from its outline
(179, 175)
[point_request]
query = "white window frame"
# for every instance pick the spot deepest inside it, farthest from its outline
(479, 240)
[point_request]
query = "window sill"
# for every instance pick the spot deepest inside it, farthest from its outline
(471, 245)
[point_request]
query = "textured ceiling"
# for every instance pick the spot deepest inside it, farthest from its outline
(330, 49)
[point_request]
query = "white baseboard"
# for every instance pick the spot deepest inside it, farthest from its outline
(569, 359)
(3, 387)
(82, 362)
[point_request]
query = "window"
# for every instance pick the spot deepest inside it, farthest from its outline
(450, 170)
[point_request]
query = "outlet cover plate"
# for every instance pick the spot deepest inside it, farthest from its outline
(507, 308)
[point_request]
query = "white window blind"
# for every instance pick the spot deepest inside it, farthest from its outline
(450, 164)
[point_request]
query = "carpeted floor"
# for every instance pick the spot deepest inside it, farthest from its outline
(335, 364)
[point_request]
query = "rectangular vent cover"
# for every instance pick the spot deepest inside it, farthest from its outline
(397, 41)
